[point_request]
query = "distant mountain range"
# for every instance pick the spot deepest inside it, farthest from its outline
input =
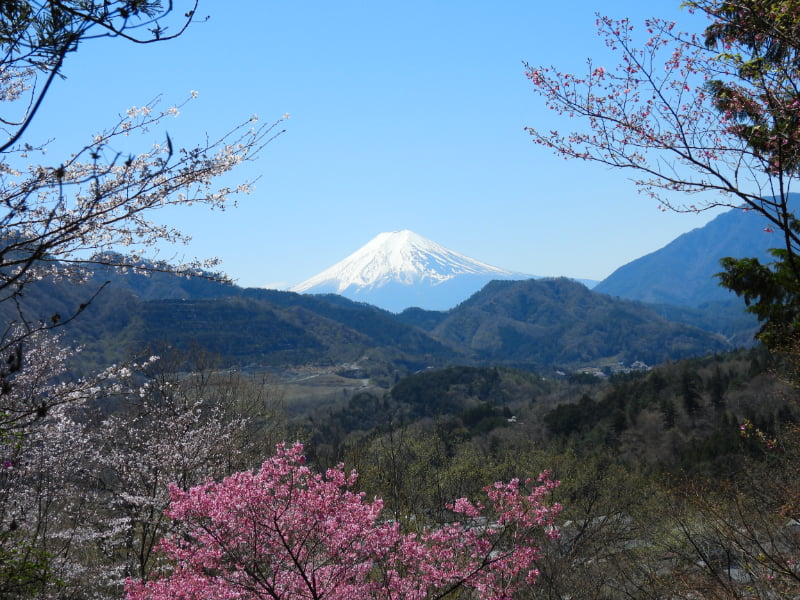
(400, 269)
(536, 324)
(663, 306)
(679, 280)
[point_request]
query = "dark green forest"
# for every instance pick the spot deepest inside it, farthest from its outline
(665, 473)
(538, 325)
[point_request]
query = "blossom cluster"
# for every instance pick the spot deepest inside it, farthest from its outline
(685, 112)
(288, 532)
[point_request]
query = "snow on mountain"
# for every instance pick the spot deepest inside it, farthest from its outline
(399, 269)
(401, 256)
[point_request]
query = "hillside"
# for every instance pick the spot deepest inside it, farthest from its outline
(257, 328)
(558, 321)
(537, 324)
(682, 272)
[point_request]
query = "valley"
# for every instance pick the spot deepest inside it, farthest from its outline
(311, 389)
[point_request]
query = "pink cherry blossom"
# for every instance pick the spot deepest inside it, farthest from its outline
(290, 533)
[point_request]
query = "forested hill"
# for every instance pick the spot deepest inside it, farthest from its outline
(558, 321)
(537, 324)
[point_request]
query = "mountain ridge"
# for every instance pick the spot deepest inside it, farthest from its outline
(534, 323)
(683, 272)
(556, 320)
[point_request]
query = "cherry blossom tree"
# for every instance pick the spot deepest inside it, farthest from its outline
(96, 206)
(85, 464)
(45, 462)
(715, 114)
(56, 221)
(171, 429)
(68, 493)
(288, 532)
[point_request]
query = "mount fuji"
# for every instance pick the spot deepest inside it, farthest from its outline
(400, 269)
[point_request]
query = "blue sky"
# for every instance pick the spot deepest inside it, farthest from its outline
(404, 115)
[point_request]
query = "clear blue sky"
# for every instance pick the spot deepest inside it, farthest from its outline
(404, 115)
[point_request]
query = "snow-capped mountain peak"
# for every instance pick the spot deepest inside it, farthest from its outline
(398, 256)
(399, 269)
